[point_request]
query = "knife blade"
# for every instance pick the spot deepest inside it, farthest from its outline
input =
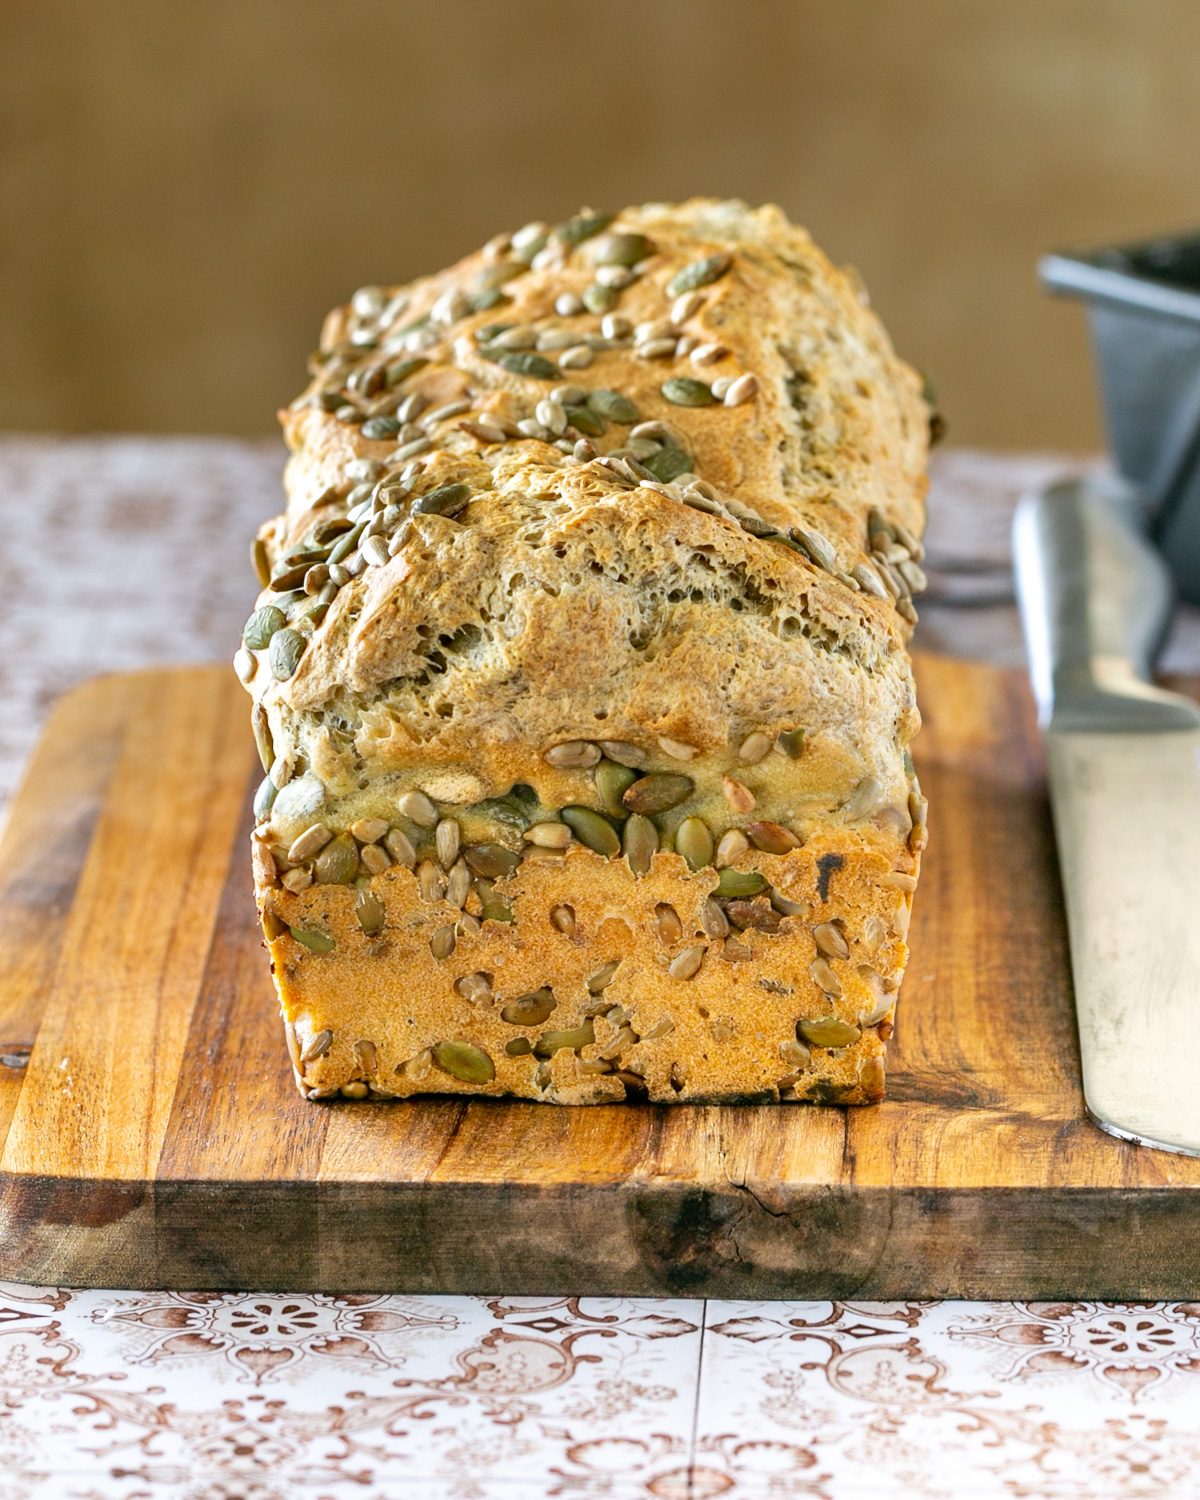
(1123, 759)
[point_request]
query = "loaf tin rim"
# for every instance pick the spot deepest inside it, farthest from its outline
(1111, 275)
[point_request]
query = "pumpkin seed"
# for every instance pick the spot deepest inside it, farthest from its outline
(308, 844)
(699, 273)
(613, 406)
(597, 299)
(337, 863)
(658, 792)
(612, 781)
(379, 429)
(264, 798)
(370, 911)
(531, 1009)
(830, 941)
(576, 1037)
(446, 500)
(667, 464)
(603, 977)
(740, 883)
(682, 390)
(535, 365)
(623, 248)
(571, 754)
(273, 925)
(463, 1061)
(442, 943)
(492, 861)
(733, 844)
(639, 843)
(828, 1032)
(491, 908)
(581, 227)
(520, 1046)
(417, 807)
(791, 742)
(346, 543)
(593, 831)
(686, 965)
(584, 420)
(771, 838)
(694, 840)
(261, 626)
(314, 941)
(287, 647)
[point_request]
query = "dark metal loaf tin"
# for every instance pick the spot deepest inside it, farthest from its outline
(1144, 307)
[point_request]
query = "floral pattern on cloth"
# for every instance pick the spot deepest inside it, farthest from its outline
(258, 1396)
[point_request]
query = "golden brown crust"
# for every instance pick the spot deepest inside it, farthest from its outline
(754, 581)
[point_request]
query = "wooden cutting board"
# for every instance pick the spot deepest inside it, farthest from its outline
(152, 1136)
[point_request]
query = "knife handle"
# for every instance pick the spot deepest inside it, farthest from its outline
(1096, 600)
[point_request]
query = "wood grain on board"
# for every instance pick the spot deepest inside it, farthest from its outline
(152, 1136)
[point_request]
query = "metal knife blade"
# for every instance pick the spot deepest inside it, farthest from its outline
(1124, 767)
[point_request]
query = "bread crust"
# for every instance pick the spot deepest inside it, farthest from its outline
(758, 598)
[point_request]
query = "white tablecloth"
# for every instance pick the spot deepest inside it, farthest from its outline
(124, 552)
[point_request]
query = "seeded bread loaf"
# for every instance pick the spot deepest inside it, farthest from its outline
(580, 674)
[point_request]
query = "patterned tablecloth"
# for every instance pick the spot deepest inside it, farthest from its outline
(125, 552)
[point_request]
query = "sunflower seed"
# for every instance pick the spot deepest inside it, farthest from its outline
(771, 838)
(264, 798)
(463, 1061)
(754, 747)
(699, 273)
(828, 1032)
(370, 911)
(458, 884)
(816, 548)
(739, 796)
(244, 665)
(713, 919)
(417, 807)
(573, 1039)
(686, 965)
(740, 883)
(825, 978)
(639, 843)
(677, 749)
(756, 914)
(308, 844)
(830, 941)
(685, 306)
(562, 919)
(369, 830)
(312, 939)
(552, 416)
(529, 1010)
(897, 880)
(373, 859)
(694, 841)
(612, 781)
(430, 881)
(786, 907)
(865, 800)
(317, 1047)
(658, 792)
(658, 349)
(733, 844)
(615, 326)
(548, 835)
(397, 844)
(743, 389)
(623, 753)
(577, 357)
(667, 923)
(375, 550)
(593, 831)
(707, 354)
(447, 837)
(572, 754)
(568, 305)
(477, 987)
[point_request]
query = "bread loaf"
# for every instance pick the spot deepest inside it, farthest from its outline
(580, 675)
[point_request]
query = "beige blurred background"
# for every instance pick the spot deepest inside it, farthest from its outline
(186, 187)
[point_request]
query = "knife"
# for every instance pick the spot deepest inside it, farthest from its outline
(1124, 767)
